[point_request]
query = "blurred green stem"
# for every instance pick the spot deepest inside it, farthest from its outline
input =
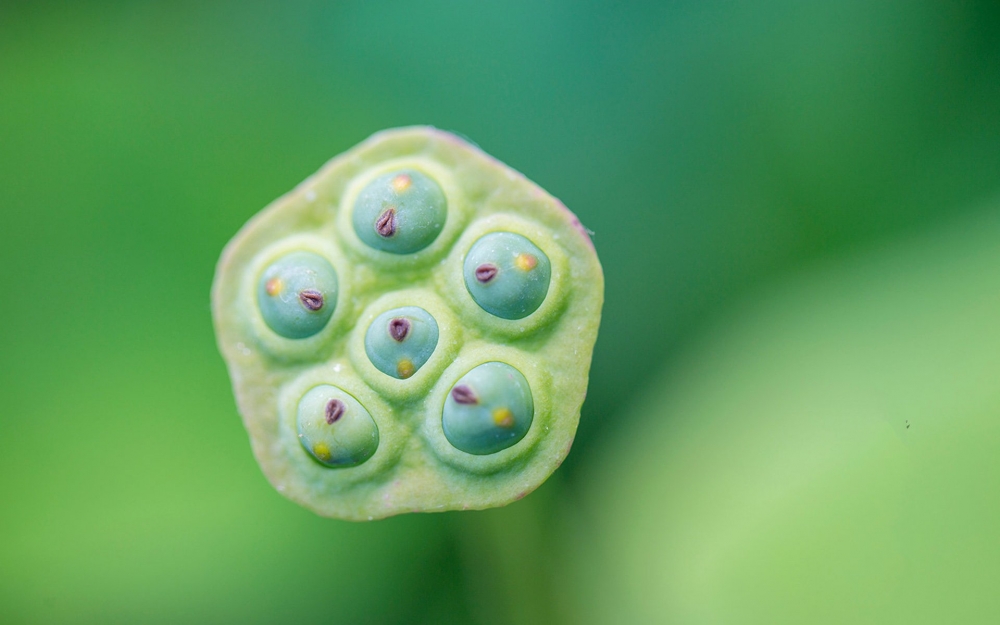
(507, 555)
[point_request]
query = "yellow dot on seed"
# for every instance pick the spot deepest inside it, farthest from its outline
(274, 286)
(401, 183)
(503, 417)
(525, 262)
(405, 368)
(321, 451)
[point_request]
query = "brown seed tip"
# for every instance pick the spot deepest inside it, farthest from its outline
(486, 272)
(335, 409)
(311, 299)
(462, 394)
(385, 225)
(399, 328)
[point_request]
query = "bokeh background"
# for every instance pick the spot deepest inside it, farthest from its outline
(794, 408)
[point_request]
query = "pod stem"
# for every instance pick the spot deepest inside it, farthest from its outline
(510, 557)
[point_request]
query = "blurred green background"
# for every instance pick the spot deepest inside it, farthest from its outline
(794, 409)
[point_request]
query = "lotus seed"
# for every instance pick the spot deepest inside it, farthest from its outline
(335, 428)
(507, 275)
(401, 340)
(488, 410)
(297, 294)
(400, 212)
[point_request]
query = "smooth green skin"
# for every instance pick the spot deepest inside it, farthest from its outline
(385, 352)
(414, 468)
(514, 292)
(421, 212)
(283, 311)
(471, 427)
(829, 454)
(348, 441)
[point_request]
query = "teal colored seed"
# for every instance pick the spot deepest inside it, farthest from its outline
(400, 212)
(507, 275)
(401, 340)
(297, 294)
(335, 428)
(488, 410)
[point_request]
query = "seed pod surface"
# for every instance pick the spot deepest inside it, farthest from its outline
(410, 329)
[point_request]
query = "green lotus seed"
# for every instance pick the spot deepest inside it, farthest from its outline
(488, 410)
(507, 275)
(400, 212)
(401, 340)
(335, 428)
(297, 294)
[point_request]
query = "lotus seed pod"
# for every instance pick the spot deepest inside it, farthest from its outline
(409, 330)
(488, 410)
(507, 275)
(297, 294)
(400, 212)
(401, 340)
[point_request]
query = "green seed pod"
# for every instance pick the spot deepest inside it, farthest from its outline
(507, 275)
(407, 338)
(401, 340)
(297, 294)
(488, 410)
(400, 212)
(335, 428)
